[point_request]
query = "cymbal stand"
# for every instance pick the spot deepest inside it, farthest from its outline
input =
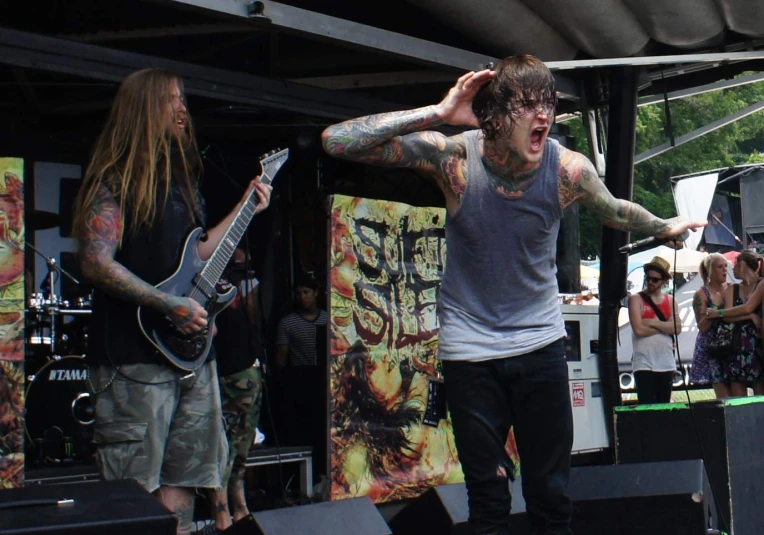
(51, 306)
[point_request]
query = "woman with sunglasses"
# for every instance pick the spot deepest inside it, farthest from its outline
(652, 315)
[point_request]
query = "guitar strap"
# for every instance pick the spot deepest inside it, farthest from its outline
(649, 301)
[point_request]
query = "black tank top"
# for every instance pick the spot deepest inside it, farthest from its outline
(152, 255)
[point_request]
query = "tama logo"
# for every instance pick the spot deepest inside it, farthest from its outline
(68, 375)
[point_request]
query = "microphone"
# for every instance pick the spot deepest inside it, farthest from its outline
(649, 243)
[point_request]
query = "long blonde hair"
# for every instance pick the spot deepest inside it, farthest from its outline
(707, 263)
(132, 156)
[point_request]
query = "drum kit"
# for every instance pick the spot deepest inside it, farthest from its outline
(59, 404)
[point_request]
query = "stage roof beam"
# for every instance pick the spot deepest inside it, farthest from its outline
(303, 21)
(33, 51)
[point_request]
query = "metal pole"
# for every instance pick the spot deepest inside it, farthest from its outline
(619, 175)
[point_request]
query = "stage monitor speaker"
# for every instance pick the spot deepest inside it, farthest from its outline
(725, 433)
(639, 499)
(113, 507)
(343, 517)
(443, 510)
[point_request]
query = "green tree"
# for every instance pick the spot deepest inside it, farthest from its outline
(739, 143)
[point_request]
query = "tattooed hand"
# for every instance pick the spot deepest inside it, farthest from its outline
(677, 225)
(456, 108)
(185, 313)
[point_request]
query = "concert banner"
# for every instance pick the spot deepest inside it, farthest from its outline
(11, 322)
(390, 436)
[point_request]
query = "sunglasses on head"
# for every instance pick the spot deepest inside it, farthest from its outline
(655, 279)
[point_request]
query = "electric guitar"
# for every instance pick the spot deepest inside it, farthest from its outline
(198, 280)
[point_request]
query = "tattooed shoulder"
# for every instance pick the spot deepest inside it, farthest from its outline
(104, 220)
(573, 174)
(453, 165)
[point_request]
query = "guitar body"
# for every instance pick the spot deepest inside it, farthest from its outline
(186, 352)
(199, 280)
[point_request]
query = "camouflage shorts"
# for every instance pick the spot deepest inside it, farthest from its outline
(169, 434)
(241, 394)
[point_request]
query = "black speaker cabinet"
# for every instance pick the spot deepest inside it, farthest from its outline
(640, 499)
(726, 434)
(345, 517)
(113, 507)
(443, 510)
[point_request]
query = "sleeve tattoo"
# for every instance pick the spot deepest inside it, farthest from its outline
(98, 246)
(395, 140)
(579, 182)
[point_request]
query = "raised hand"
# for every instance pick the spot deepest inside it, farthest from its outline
(456, 107)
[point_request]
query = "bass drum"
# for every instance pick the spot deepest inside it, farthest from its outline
(60, 411)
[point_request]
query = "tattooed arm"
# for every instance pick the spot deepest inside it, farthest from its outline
(397, 139)
(699, 306)
(578, 181)
(98, 246)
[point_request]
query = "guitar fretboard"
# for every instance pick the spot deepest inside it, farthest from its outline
(217, 263)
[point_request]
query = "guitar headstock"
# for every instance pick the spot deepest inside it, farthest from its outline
(271, 162)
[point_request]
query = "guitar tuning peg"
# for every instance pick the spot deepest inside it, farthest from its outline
(273, 152)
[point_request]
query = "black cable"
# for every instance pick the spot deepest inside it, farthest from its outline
(726, 526)
(267, 397)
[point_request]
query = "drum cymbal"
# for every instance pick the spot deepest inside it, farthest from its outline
(39, 219)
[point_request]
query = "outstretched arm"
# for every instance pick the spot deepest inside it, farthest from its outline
(579, 182)
(738, 312)
(98, 246)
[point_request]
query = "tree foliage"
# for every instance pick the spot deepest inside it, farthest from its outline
(738, 143)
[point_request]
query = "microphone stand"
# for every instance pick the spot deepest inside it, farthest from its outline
(52, 302)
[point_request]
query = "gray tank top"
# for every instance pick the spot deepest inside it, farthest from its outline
(499, 292)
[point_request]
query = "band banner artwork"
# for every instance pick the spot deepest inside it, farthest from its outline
(390, 435)
(11, 322)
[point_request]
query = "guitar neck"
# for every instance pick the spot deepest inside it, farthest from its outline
(217, 263)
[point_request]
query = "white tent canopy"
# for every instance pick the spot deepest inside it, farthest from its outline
(687, 260)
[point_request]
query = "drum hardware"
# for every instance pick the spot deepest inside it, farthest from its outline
(48, 304)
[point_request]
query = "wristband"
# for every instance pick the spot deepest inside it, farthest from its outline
(721, 312)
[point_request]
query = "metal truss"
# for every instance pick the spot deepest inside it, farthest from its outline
(699, 90)
(681, 140)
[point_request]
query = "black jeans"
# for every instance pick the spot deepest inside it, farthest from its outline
(531, 393)
(653, 387)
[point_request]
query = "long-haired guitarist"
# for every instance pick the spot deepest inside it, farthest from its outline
(138, 202)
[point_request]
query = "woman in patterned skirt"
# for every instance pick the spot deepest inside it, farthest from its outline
(705, 370)
(744, 368)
